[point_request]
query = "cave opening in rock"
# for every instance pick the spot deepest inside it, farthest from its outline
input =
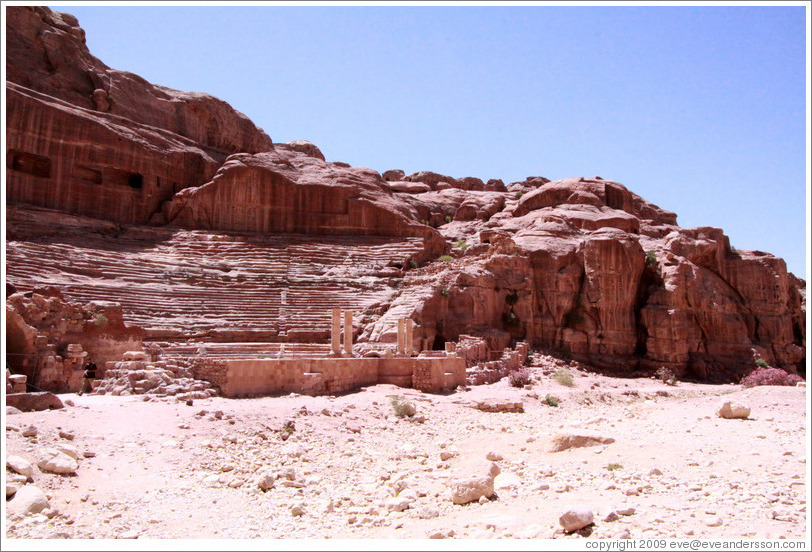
(136, 181)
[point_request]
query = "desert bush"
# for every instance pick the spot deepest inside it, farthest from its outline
(770, 376)
(550, 400)
(100, 320)
(614, 466)
(520, 377)
(761, 363)
(402, 408)
(518, 195)
(446, 258)
(651, 258)
(564, 377)
(445, 292)
(448, 218)
(412, 263)
(287, 430)
(666, 376)
(462, 244)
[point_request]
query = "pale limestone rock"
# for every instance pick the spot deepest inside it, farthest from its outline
(28, 500)
(733, 410)
(54, 461)
(20, 465)
(397, 504)
(575, 439)
(471, 489)
(575, 518)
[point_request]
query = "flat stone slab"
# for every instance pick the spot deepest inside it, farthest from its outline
(29, 402)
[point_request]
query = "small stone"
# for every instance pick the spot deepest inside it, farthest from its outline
(733, 410)
(440, 533)
(715, 522)
(55, 461)
(469, 490)
(67, 435)
(626, 511)
(494, 456)
(397, 504)
(20, 465)
(30, 431)
(575, 518)
(297, 510)
(447, 455)
(655, 471)
(428, 512)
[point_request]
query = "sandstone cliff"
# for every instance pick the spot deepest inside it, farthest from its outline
(581, 267)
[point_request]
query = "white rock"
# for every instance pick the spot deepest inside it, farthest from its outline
(576, 517)
(469, 490)
(70, 450)
(733, 410)
(20, 465)
(28, 500)
(54, 461)
(428, 512)
(397, 504)
(264, 480)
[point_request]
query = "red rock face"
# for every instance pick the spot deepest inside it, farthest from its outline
(254, 241)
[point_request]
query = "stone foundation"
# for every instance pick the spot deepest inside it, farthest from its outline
(323, 376)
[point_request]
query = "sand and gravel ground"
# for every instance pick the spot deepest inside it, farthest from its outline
(162, 469)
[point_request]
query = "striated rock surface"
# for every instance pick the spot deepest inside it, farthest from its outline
(252, 241)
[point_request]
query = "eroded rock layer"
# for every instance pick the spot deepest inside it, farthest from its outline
(176, 208)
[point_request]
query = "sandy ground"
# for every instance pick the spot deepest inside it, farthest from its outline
(165, 469)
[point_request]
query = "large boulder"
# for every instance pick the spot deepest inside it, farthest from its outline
(29, 402)
(28, 500)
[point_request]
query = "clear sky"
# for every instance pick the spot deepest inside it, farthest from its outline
(702, 110)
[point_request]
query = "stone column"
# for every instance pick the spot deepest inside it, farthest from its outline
(348, 332)
(401, 336)
(409, 337)
(335, 332)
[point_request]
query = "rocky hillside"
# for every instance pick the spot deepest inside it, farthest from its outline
(580, 267)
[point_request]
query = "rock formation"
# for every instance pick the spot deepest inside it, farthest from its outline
(176, 207)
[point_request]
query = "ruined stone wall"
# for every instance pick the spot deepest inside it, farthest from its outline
(255, 377)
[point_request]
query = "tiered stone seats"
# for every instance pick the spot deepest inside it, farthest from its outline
(180, 285)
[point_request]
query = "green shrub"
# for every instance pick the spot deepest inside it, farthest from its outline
(761, 363)
(462, 244)
(402, 408)
(563, 376)
(447, 218)
(412, 263)
(613, 466)
(446, 258)
(550, 400)
(518, 195)
(100, 320)
(651, 258)
(445, 292)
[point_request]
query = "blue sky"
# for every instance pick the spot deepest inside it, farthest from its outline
(699, 109)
